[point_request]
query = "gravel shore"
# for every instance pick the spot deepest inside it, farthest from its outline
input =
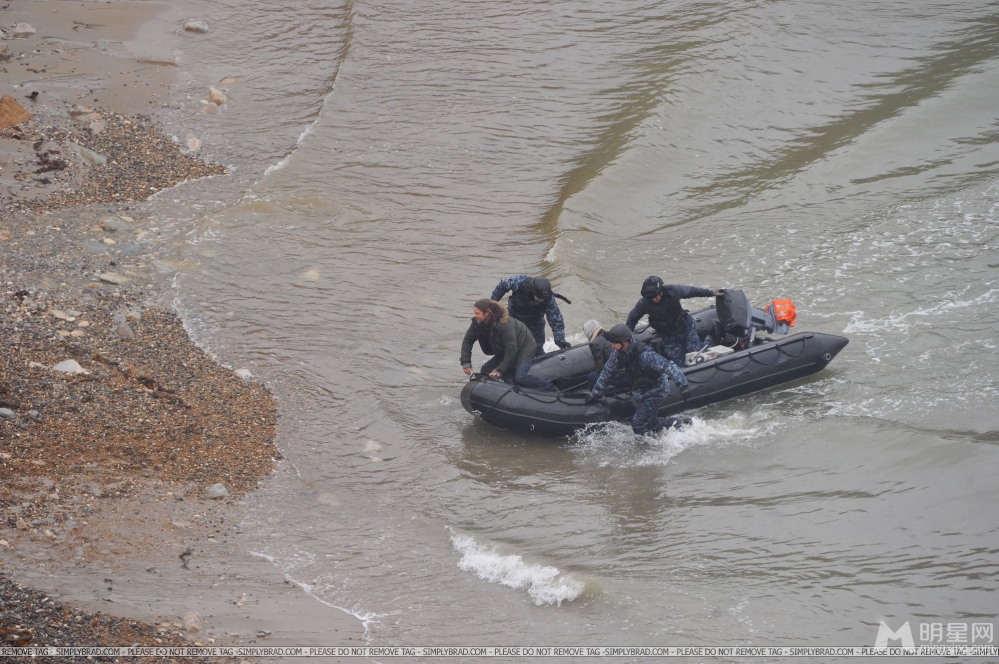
(29, 618)
(105, 400)
(106, 158)
(128, 455)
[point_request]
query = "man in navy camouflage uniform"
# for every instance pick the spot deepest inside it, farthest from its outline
(649, 374)
(531, 301)
(675, 328)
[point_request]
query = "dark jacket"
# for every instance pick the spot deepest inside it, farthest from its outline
(601, 350)
(666, 315)
(648, 370)
(507, 337)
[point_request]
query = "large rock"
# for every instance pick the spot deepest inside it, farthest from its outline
(192, 622)
(91, 157)
(11, 113)
(70, 367)
(23, 31)
(216, 491)
(114, 224)
(216, 96)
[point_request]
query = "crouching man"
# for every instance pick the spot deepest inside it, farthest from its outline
(648, 373)
(509, 342)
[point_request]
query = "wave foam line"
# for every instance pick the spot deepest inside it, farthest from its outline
(540, 581)
(367, 619)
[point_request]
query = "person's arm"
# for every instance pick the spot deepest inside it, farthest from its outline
(684, 292)
(605, 375)
(466, 347)
(667, 369)
(507, 284)
(641, 308)
(554, 316)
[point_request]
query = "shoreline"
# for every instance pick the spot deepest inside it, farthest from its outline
(103, 475)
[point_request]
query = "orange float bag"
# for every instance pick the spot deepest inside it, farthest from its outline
(784, 311)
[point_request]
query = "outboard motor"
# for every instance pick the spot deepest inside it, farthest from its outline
(735, 316)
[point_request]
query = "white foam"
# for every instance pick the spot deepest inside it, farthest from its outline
(552, 256)
(615, 444)
(901, 322)
(301, 137)
(543, 583)
(575, 339)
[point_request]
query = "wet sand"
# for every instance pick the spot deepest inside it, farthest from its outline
(105, 470)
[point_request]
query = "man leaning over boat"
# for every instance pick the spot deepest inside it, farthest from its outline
(649, 375)
(509, 341)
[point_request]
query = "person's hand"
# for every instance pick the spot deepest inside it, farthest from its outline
(563, 344)
(719, 291)
(591, 398)
(495, 374)
(468, 371)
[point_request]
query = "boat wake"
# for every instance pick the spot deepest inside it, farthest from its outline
(614, 444)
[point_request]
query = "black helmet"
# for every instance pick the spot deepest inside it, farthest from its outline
(651, 287)
(618, 334)
(542, 288)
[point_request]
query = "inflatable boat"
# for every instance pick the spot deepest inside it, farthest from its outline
(741, 362)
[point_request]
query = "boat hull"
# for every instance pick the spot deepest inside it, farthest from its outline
(757, 368)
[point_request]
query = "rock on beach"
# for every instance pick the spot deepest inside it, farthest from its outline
(91, 157)
(11, 112)
(216, 491)
(112, 278)
(23, 31)
(192, 622)
(70, 367)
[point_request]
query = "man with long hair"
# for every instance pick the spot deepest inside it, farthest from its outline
(509, 342)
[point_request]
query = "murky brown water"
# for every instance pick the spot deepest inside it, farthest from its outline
(392, 162)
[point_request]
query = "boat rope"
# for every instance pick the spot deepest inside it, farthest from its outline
(700, 373)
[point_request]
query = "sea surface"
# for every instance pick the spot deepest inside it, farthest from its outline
(392, 161)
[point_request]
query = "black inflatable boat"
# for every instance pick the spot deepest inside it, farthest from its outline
(754, 363)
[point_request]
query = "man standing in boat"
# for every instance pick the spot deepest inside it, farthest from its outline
(674, 326)
(531, 301)
(649, 374)
(509, 342)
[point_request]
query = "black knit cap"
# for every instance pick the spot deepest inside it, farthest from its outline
(618, 334)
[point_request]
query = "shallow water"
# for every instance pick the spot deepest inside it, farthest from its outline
(392, 162)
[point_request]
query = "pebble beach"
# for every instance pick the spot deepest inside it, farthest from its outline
(123, 445)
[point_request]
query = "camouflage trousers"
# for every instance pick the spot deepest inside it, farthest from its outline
(675, 346)
(537, 328)
(646, 418)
